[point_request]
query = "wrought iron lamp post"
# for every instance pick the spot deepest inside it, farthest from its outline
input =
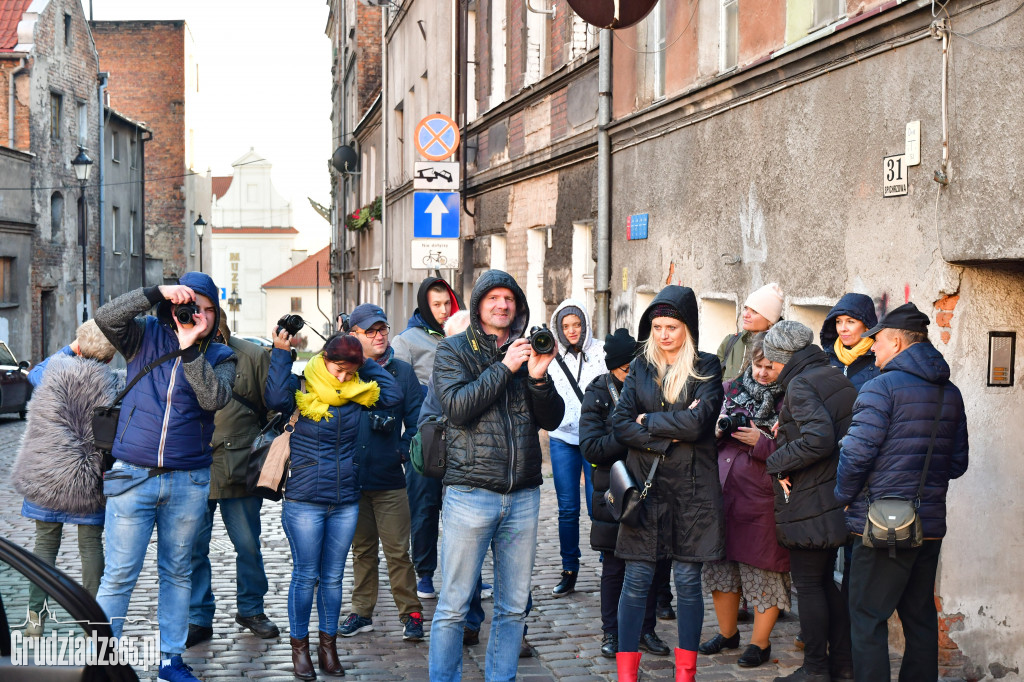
(83, 165)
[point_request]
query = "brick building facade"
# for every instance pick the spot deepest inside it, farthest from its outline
(154, 79)
(48, 54)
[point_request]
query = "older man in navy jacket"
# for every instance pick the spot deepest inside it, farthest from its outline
(884, 453)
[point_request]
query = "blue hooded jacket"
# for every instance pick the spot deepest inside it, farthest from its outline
(859, 307)
(162, 423)
(884, 451)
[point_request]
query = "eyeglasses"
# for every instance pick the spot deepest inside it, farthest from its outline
(372, 333)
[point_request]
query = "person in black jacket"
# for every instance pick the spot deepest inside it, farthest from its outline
(601, 449)
(884, 453)
(666, 417)
(496, 393)
(809, 520)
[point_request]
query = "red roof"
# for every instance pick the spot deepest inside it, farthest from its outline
(255, 230)
(303, 275)
(221, 183)
(11, 12)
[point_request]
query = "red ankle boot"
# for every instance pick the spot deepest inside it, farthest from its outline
(627, 663)
(686, 665)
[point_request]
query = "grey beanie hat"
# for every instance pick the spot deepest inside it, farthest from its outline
(785, 338)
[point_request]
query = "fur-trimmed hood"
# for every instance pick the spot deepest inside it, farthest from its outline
(58, 466)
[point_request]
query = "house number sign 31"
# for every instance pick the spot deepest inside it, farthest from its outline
(894, 176)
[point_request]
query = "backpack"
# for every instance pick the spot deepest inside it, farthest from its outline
(428, 450)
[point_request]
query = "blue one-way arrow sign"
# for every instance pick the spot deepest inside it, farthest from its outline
(436, 215)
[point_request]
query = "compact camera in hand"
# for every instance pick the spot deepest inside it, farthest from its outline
(291, 323)
(382, 423)
(184, 312)
(728, 423)
(541, 340)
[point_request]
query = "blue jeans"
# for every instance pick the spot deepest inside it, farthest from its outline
(566, 463)
(241, 517)
(633, 603)
(175, 503)
(473, 520)
(425, 512)
(319, 536)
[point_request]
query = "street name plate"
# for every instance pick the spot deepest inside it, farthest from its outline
(894, 176)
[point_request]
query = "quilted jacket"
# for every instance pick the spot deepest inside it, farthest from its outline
(600, 448)
(815, 414)
(493, 414)
(884, 451)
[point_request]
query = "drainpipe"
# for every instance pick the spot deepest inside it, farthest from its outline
(143, 139)
(602, 287)
(10, 103)
(384, 292)
(103, 76)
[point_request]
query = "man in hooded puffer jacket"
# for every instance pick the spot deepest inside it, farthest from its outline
(496, 393)
(579, 360)
(163, 448)
(416, 345)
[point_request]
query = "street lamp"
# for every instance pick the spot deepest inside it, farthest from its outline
(200, 226)
(83, 165)
(234, 303)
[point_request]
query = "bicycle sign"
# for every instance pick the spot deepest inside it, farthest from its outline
(434, 254)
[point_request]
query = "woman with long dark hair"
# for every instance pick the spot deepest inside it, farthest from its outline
(666, 417)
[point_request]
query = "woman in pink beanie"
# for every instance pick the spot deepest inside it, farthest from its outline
(761, 310)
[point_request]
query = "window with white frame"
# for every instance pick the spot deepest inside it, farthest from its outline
(471, 67)
(83, 124)
(826, 12)
(115, 228)
(498, 54)
(729, 43)
(132, 218)
(536, 45)
(656, 44)
(115, 146)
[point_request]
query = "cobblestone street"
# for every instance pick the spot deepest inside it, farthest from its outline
(564, 633)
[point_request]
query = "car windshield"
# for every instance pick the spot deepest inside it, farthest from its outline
(6, 356)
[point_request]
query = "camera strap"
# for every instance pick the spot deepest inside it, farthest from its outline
(570, 377)
(146, 370)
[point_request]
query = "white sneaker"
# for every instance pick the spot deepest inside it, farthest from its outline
(487, 591)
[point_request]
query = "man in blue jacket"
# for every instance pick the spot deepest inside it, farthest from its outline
(884, 453)
(163, 448)
(384, 504)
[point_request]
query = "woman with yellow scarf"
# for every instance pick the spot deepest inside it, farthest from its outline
(853, 315)
(321, 495)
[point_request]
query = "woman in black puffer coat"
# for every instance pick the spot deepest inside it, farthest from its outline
(666, 414)
(815, 415)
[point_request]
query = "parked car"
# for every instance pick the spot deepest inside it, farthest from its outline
(258, 340)
(67, 603)
(15, 390)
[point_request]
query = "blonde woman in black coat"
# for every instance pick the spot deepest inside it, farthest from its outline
(666, 414)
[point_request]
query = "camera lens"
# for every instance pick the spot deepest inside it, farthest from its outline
(185, 311)
(291, 323)
(542, 340)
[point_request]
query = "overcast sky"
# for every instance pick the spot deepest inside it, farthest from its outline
(265, 80)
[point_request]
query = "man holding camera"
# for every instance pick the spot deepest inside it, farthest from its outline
(908, 418)
(496, 393)
(163, 447)
(384, 503)
(417, 345)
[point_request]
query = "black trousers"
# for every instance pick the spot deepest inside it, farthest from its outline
(824, 613)
(613, 571)
(906, 584)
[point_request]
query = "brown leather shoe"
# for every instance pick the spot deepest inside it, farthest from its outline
(327, 655)
(301, 661)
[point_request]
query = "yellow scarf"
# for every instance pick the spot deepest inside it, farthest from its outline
(848, 355)
(323, 391)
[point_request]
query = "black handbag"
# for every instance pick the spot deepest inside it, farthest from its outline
(623, 499)
(258, 452)
(893, 522)
(434, 446)
(105, 417)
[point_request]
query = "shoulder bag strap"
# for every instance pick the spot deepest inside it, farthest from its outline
(650, 477)
(732, 344)
(612, 391)
(569, 376)
(145, 370)
(248, 404)
(931, 445)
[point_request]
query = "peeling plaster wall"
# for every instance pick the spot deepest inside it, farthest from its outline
(788, 189)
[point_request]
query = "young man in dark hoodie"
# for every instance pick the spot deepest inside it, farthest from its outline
(417, 345)
(162, 474)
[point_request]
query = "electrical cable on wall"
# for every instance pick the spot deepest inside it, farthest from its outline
(675, 40)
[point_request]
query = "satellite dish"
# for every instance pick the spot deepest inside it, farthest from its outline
(345, 160)
(612, 13)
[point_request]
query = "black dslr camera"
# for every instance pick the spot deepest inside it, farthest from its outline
(728, 423)
(184, 312)
(291, 323)
(382, 423)
(542, 340)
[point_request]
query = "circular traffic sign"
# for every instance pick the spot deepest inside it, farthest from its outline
(437, 137)
(612, 13)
